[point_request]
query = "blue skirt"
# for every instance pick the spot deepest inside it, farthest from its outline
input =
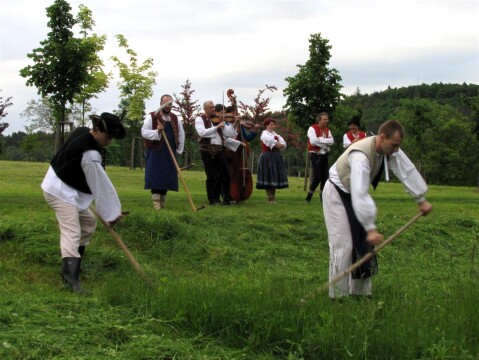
(271, 171)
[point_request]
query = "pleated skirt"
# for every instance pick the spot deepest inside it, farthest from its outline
(271, 171)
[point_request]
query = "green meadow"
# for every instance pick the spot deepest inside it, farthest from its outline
(226, 282)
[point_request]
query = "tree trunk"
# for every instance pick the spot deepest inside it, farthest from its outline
(306, 171)
(57, 137)
(132, 154)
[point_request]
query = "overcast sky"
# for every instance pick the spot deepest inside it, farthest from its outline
(245, 45)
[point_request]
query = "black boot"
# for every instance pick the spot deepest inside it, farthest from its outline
(309, 197)
(81, 251)
(71, 274)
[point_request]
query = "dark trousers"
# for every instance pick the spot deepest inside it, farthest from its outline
(217, 176)
(319, 171)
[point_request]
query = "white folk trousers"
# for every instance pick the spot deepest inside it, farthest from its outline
(340, 246)
(76, 227)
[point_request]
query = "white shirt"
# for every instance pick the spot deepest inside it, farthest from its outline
(106, 199)
(229, 134)
(148, 133)
(323, 142)
(268, 139)
(363, 204)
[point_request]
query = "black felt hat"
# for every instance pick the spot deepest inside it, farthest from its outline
(109, 123)
(355, 120)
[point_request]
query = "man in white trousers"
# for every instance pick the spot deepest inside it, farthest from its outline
(349, 210)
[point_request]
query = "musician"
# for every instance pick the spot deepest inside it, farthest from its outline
(214, 138)
(354, 134)
(248, 129)
(160, 170)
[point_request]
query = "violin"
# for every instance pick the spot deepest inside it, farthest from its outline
(226, 117)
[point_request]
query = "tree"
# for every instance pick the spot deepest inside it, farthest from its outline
(315, 88)
(3, 125)
(189, 111)
(257, 112)
(96, 80)
(61, 64)
(3, 105)
(40, 116)
(136, 87)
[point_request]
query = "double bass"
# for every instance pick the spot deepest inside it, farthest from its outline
(241, 180)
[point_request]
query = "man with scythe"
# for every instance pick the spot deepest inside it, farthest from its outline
(350, 212)
(74, 180)
(160, 171)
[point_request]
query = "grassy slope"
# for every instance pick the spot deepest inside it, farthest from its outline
(227, 280)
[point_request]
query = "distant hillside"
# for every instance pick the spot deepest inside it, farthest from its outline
(441, 123)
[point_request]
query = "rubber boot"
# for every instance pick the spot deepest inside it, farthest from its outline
(156, 201)
(81, 251)
(71, 274)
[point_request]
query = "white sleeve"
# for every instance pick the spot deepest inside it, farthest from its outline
(106, 199)
(346, 141)
(202, 131)
(313, 139)
(322, 142)
(363, 204)
(146, 130)
(181, 138)
(407, 173)
(268, 139)
(229, 131)
(282, 141)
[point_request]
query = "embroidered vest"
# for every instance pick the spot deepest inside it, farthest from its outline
(319, 133)
(208, 124)
(361, 135)
(154, 123)
(344, 169)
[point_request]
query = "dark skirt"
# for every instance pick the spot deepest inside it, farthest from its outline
(271, 171)
(160, 171)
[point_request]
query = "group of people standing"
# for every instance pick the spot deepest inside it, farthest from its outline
(76, 177)
(215, 137)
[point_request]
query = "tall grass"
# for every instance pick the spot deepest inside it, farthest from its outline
(227, 281)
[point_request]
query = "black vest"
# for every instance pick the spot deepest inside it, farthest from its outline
(67, 161)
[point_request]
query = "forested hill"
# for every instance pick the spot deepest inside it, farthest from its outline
(441, 123)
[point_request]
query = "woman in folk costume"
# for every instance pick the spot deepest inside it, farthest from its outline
(271, 168)
(354, 134)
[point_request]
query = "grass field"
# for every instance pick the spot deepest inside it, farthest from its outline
(227, 281)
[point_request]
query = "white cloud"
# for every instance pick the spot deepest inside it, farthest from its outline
(247, 44)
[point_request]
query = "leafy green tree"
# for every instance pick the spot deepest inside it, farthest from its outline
(439, 140)
(137, 81)
(136, 87)
(61, 64)
(316, 87)
(97, 80)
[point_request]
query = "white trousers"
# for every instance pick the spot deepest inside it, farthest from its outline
(340, 246)
(76, 227)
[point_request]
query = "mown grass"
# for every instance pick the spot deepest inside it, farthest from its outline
(227, 281)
